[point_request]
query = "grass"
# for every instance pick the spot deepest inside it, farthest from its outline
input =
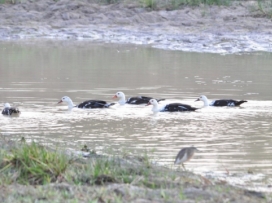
(47, 175)
(104, 170)
(154, 4)
(264, 7)
(10, 1)
(34, 164)
(177, 4)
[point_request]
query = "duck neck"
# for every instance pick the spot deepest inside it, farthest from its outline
(155, 108)
(70, 104)
(206, 102)
(122, 100)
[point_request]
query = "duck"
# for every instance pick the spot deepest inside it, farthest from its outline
(172, 107)
(8, 110)
(133, 100)
(89, 104)
(220, 102)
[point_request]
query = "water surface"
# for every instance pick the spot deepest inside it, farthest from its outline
(34, 75)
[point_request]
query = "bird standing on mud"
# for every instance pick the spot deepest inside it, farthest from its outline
(185, 154)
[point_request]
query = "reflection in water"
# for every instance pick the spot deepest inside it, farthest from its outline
(232, 140)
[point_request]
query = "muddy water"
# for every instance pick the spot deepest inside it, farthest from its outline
(35, 75)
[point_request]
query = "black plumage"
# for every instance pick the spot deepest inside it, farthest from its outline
(228, 102)
(10, 111)
(133, 100)
(220, 102)
(140, 100)
(178, 107)
(94, 104)
(89, 104)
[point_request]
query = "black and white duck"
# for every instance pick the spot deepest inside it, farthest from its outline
(172, 107)
(220, 102)
(133, 100)
(89, 104)
(10, 111)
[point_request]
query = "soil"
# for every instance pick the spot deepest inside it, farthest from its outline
(225, 29)
(145, 182)
(240, 27)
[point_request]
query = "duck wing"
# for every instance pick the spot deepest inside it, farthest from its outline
(227, 102)
(140, 100)
(178, 107)
(92, 104)
(10, 111)
(158, 100)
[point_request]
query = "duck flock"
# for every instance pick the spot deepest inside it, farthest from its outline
(184, 154)
(171, 107)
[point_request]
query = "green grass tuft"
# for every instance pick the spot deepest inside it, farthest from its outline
(265, 7)
(77, 180)
(149, 4)
(34, 164)
(10, 1)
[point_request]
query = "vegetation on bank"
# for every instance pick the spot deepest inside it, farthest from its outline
(264, 6)
(34, 173)
(33, 164)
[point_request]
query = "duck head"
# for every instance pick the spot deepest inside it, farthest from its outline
(204, 99)
(7, 105)
(154, 103)
(68, 101)
(121, 96)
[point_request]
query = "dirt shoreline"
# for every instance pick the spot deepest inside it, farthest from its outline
(241, 27)
(98, 178)
(211, 29)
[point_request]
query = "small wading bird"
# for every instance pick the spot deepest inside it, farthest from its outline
(169, 107)
(220, 102)
(185, 154)
(132, 100)
(90, 104)
(10, 111)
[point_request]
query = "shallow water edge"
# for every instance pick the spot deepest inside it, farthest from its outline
(123, 178)
(227, 43)
(238, 28)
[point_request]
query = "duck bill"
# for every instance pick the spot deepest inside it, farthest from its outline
(148, 104)
(197, 100)
(114, 97)
(60, 102)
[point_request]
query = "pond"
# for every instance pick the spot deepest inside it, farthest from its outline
(34, 75)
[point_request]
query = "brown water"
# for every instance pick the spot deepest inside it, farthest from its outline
(35, 75)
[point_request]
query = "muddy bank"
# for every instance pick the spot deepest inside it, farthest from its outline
(99, 178)
(241, 27)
